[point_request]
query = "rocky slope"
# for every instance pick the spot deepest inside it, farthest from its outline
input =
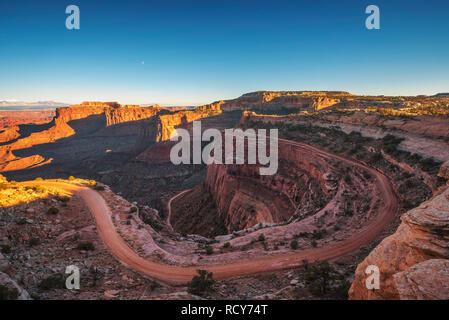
(414, 261)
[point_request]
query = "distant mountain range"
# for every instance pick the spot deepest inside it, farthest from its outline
(15, 103)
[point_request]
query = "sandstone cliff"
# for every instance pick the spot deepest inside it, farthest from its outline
(87, 118)
(413, 262)
(269, 101)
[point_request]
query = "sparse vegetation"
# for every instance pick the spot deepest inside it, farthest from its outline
(53, 210)
(33, 241)
(201, 283)
(86, 246)
(55, 281)
(209, 250)
(294, 244)
(63, 198)
(22, 221)
(6, 249)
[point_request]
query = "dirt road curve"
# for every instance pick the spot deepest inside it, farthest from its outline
(180, 275)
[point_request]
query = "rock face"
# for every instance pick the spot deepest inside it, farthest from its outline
(414, 283)
(413, 262)
(108, 118)
(444, 170)
(294, 100)
(166, 124)
(244, 198)
(10, 284)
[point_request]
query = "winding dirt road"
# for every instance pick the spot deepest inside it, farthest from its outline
(180, 275)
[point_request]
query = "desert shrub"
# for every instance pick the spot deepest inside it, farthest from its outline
(128, 222)
(209, 250)
(86, 246)
(55, 281)
(314, 243)
(342, 289)
(53, 210)
(6, 249)
(21, 221)
(133, 209)
(200, 283)
(99, 188)
(63, 198)
(8, 293)
(261, 237)
(226, 245)
(33, 241)
(71, 178)
(319, 276)
(294, 244)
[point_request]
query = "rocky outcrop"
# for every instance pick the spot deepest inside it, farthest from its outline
(428, 280)
(166, 124)
(244, 198)
(101, 118)
(444, 170)
(294, 100)
(116, 116)
(413, 262)
(15, 291)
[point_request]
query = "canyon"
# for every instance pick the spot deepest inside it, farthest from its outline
(351, 170)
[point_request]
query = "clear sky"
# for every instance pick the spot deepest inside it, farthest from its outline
(193, 52)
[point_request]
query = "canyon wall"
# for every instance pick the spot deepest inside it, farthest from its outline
(304, 183)
(108, 118)
(166, 124)
(294, 100)
(414, 261)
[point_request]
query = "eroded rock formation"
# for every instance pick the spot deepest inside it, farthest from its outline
(413, 262)
(294, 100)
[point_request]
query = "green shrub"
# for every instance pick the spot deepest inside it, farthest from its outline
(86, 246)
(8, 293)
(200, 283)
(261, 237)
(133, 209)
(55, 281)
(63, 198)
(22, 221)
(294, 244)
(99, 188)
(226, 245)
(33, 241)
(209, 250)
(6, 249)
(53, 210)
(314, 244)
(319, 276)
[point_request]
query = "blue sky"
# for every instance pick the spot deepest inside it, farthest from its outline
(197, 52)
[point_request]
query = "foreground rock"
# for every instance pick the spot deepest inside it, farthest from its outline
(413, 262)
